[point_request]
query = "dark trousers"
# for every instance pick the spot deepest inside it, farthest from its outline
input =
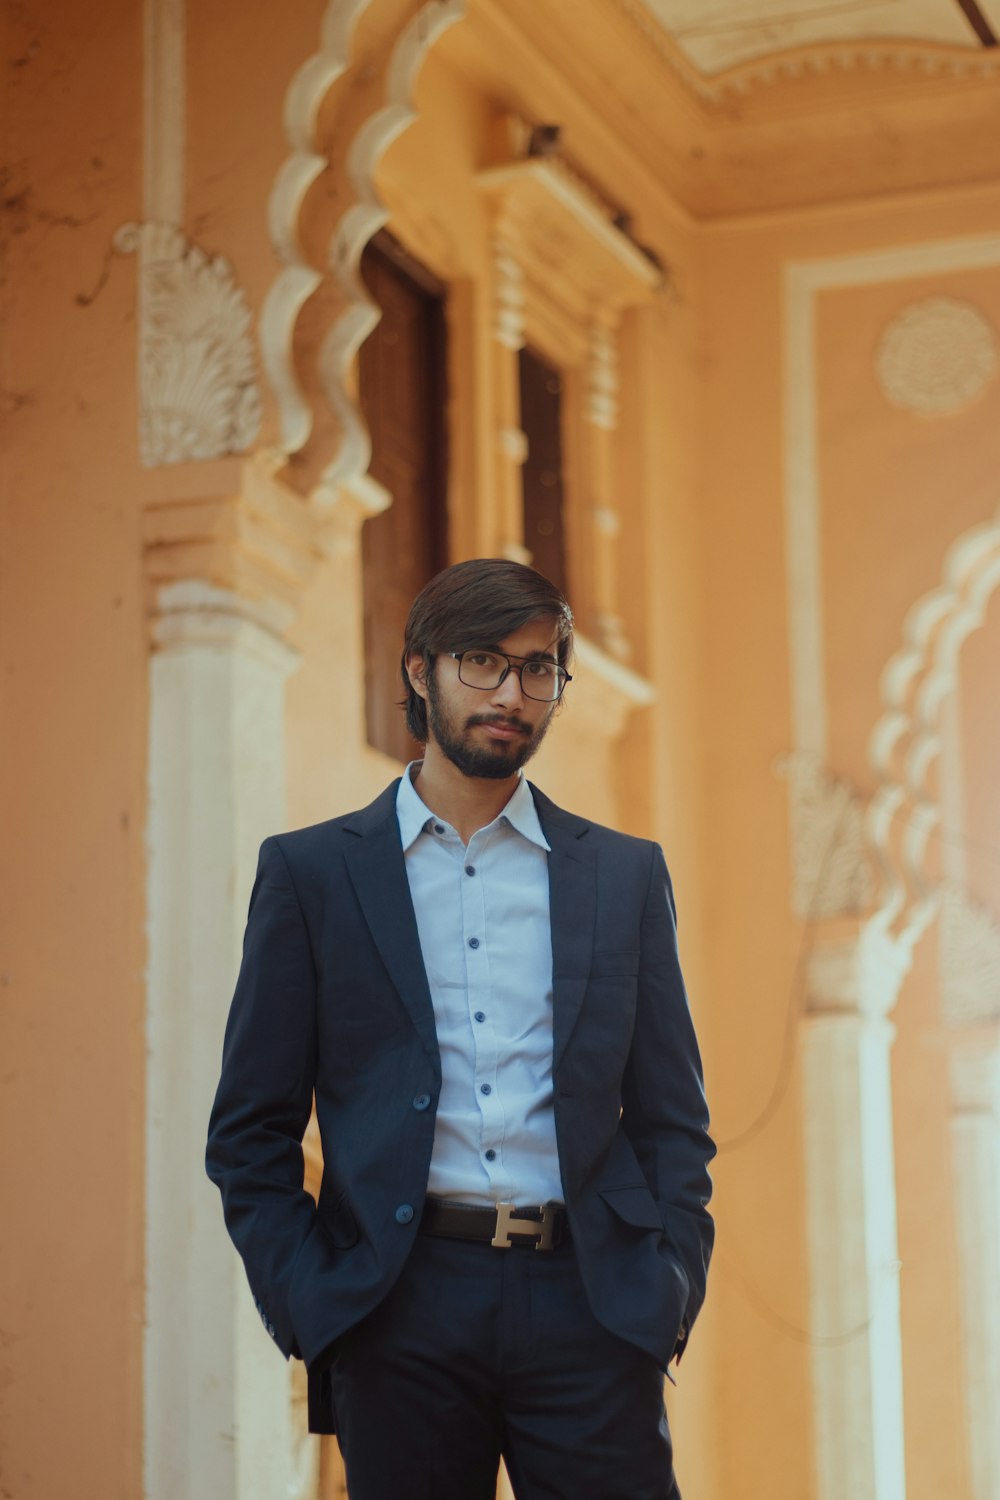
(478, 1353)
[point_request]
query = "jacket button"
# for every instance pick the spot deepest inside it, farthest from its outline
(421, 1101)
(404, 1213)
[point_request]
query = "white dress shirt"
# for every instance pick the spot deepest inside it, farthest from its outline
(483, 919)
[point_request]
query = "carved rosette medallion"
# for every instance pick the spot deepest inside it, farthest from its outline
(936, 356)
(199, 392)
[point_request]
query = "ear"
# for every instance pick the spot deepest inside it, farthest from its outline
(416, 669)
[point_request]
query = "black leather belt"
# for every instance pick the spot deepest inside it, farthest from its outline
(501, 1227)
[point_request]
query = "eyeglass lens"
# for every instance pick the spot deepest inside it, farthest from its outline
(539, 679)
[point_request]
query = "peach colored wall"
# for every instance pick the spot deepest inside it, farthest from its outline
(72, 760)
(896, 491)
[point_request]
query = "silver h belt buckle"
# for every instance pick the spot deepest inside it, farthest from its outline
(507, 1225)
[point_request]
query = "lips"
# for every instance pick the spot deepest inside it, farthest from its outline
(501, 730)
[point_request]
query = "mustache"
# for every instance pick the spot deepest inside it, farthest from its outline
(501, 722)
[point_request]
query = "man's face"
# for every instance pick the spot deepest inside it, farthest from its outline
(491, 733)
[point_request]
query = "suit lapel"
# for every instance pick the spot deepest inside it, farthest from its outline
(377, 870)
(572, 909)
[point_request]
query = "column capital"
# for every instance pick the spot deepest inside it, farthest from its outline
(259, 543)
(854, 970)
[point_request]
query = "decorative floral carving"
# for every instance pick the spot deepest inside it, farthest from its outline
(602, 380)
(936, 356)
(199, 393)
(831, 875)
(970, 960)
(508, 297)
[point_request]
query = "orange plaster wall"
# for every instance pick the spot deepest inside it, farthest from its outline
(72, 756)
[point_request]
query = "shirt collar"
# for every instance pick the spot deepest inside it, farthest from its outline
(414, 815)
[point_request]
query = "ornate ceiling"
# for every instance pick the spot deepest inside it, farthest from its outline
(716, 35)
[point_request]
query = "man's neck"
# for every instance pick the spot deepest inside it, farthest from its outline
(468, 803)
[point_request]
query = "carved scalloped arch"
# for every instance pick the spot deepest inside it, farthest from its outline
(360, 221)
(298, 280)
(904, 748)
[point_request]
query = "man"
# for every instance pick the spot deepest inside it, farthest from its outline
(482, 992)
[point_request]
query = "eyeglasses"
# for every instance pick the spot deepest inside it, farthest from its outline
(540, 679)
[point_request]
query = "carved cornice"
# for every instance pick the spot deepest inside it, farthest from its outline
(195, 612)
(831, 871)
(866, 56)
(199, 397)
(551, 220)
(855, 975)
(262, 542)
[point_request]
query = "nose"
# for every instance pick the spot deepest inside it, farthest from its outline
(508, 694)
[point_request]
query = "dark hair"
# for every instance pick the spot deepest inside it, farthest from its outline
(477, 603)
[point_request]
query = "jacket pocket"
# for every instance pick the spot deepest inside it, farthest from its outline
(338, 1223)
(634, 1204)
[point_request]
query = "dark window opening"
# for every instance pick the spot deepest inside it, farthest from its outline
(402, 389)
(542, 474)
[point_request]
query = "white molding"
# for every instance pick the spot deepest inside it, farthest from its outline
(891, 55)
(199, 397)
(359, 222)
(164, 111)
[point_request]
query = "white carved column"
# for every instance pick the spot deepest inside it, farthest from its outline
(853, 978)
(975, 1136)
(512, 450)
(218, 1414)
(221, 1413)
(851, 1208)
(970, 1000)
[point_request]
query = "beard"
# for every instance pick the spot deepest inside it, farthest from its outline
(494, 760)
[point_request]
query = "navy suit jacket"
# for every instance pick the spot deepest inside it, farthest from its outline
(332, 1001)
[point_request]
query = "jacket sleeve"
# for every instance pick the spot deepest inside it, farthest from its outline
(664, 1111)
(265, 1093)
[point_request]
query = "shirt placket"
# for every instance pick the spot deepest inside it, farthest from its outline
(482, 1020)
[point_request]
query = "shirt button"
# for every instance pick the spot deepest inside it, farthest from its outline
(439, 828)
(470, 869)
(404, 1213)
(473, 942)
(490, 1154)
(421, 1101)
(484, 1088)
(480, 1015)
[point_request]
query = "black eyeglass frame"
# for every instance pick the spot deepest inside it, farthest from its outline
(563, 677)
